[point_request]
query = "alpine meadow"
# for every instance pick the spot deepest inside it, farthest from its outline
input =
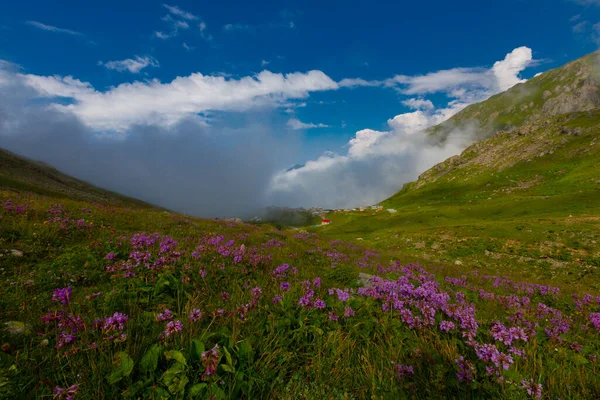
(156, 244)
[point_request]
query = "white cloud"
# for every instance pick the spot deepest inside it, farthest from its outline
(588, 2)
(419, 104)
(51, 28)
(188, 47)
(132, 65)
(176, 23)
(442, 81)
(161, 35)
(507, 71)
(357, 82)
(377, 163)
(177, 20)
(264, 63)
(468, 83)
(180, 13)
(164, 104)
(181, 25)
(297, 124)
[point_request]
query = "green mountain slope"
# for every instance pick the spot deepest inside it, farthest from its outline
(526, 200)
(570, 88)
(17, 172)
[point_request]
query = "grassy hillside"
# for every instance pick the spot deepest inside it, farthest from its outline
(20, 173)
(112, 302)
(574, 87)
(525, 201)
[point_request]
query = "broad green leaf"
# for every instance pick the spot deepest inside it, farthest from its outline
(228, 358)
(178, 385)
(176, 371)
(197, 350)
(197, 389)
(175, 355)
(150, 360)
(122, 367)
(245, 353)
(228, 368)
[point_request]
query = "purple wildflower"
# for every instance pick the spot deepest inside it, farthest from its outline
(533, 389)
(595, 320)
(446, 326)
(256, 293)
(165, 316)
(195, 315)
(342, 295)
(173, 327)
(62, 295)
(277, 299)
(284, 286)
(465, 370)
(348, 312)
(320, 304)
(67, 394)
(210, 359)
(405, 370)
(576, 346)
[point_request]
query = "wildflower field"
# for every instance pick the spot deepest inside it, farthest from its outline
(101, 301)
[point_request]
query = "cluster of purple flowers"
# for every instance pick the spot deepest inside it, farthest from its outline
(507, 335)
(68, 326)
(533, 389)
(165, 315)
(320, 304)
(595, 320)
(342, 295)
(306, 299)
(489, 353)
(16, 209)
(66, 393)
(113, 327)
(466, 370)
(144, 240)
(404, 370)
(210, 360)
(281, 271)
(447, 326)
(195, 315)
(59, 216)
(173, 327)
(62, 295)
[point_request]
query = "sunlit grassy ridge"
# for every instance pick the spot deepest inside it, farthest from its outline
(259, 313)
(525, 203)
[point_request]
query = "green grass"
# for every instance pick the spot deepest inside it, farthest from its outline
(265, 350)
(500, 219)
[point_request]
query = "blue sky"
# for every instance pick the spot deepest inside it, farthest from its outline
(105, 44)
